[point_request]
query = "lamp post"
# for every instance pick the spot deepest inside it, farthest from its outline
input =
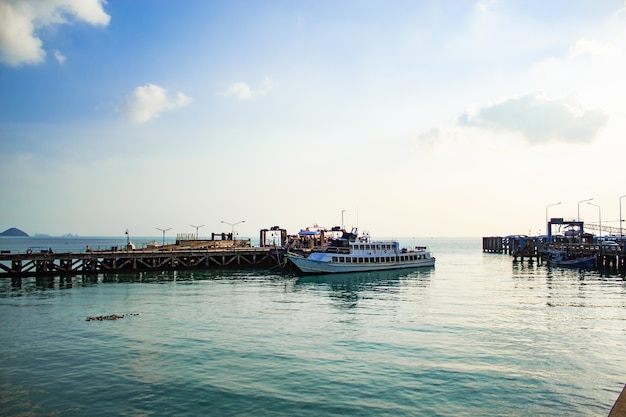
(197, 227)
(599, 218)
(550, 205)
(232, 230)
(583, 201)
(342, 211)
(620, 216)
(164, 230)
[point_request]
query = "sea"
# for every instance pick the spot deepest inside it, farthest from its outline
(476, 335)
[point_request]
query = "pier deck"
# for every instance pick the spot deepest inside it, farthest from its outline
(42, 264)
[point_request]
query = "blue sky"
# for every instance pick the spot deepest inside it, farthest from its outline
(418, 118)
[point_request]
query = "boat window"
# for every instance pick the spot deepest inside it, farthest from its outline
(360, 260)
(334, 259)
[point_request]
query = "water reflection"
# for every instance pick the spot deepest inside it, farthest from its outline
(350, 288)
(26, 285)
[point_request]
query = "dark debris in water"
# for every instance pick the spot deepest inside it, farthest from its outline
(110, 317)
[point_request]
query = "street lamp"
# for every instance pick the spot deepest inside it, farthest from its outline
(583, 201)
(599, 218)
(550, 205)
(197, 227)
(620, 216)
(164, 230)
(232, 231)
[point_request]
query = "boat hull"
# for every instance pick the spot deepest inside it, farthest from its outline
(588, 262)
(309, 266)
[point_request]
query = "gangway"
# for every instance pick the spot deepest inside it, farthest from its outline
(610, 230)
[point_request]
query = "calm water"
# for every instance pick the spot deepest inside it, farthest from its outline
(475, 336)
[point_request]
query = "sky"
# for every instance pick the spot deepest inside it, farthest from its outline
(463, 118)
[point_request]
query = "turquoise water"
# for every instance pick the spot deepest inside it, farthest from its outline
(475, 336)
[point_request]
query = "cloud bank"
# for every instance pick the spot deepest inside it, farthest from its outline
(20, 21)
(147, 102)
(539, 119)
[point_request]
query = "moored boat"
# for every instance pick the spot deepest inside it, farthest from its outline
(564, 259)
(358, 254)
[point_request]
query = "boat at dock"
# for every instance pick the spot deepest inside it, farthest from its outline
(353, 253)
(564, 259)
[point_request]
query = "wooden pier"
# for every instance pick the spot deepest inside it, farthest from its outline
(607, 258)
(94, 262)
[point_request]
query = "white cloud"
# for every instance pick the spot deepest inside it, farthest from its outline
(20, 20)
(240, 90)
(147, 102)
(59, 56)
(436, 136)
(243, 91)
(593, 47)
(539, 119)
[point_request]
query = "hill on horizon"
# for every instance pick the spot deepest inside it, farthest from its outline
(13, 232)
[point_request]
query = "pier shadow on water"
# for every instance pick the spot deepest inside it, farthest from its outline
(18, 286)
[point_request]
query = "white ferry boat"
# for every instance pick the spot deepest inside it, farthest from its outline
(349, 254)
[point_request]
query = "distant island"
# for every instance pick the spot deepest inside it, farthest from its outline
(14, 232)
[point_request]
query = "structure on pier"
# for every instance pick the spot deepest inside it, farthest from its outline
(572, 240)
